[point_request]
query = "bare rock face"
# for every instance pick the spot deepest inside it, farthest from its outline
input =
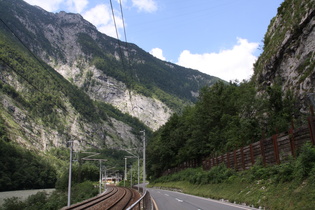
(289, 51)
(93, 62)
(76, 67)
(152, 112)
(33, 133)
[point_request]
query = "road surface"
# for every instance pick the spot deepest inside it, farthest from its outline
(167, 200)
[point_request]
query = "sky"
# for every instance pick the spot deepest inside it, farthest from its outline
(222, 38)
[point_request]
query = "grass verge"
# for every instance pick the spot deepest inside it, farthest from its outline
(257, 194)
(287, 186)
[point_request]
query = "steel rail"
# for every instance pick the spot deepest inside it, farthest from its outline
(114, 198)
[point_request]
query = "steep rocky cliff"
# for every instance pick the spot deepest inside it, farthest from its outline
(288, 58)
(152, 112)
(62, 80)
(108, 70)
(28, 123)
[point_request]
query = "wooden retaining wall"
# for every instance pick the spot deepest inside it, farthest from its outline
(273, 150)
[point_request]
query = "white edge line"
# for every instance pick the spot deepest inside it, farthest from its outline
(221, 202)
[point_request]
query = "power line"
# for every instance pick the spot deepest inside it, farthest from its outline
(127, 50)
(123, 21)
(119, 44)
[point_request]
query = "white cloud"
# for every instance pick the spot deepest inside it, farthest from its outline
(77, 5)
(157, 52)
(145, 5)
(231, 64)
(49, 5)
(101, 17)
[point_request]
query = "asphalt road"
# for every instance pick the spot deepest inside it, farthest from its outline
(168, 200)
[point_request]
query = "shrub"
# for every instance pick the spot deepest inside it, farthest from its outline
(37, 201)
(83, 191)
(305, 162)
(283, 172)
(13, 203)
(220, 173)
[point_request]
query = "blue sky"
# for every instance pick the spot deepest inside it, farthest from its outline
(222, 38)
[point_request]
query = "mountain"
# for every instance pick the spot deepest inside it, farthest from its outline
(63, 80)
(288, 58)
(108, 70)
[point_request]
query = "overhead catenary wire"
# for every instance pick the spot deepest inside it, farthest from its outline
(119, 44)
(121, 53)
(123, 21)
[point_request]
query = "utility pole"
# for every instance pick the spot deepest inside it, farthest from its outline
(105, 179)
(138, 173)
(131, 177)
(100, 187)
(125, 177)
(143, 158)
(70, 173)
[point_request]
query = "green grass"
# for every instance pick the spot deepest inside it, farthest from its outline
(258, 193)
(290, 185)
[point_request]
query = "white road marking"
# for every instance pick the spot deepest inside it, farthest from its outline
(179, 200)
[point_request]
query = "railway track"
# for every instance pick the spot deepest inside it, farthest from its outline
(115, 198)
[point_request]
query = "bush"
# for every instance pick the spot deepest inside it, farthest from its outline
(13, 203)
(305, 162)
(80, 173)
(23, 169)
(37, 201)
(284, 172)
(83, 191)
(217, 174)
(55, 200)
(295, 169)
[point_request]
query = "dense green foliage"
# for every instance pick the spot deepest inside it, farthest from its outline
(217, 174)
(23, 169)
(80, 173)
(30, 171)
(55, 200)
(226, 117)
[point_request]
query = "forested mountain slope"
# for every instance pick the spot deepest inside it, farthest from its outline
(63, 80)
(40, 109)
(108, 70)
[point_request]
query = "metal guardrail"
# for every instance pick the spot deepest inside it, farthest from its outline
(144, 203)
